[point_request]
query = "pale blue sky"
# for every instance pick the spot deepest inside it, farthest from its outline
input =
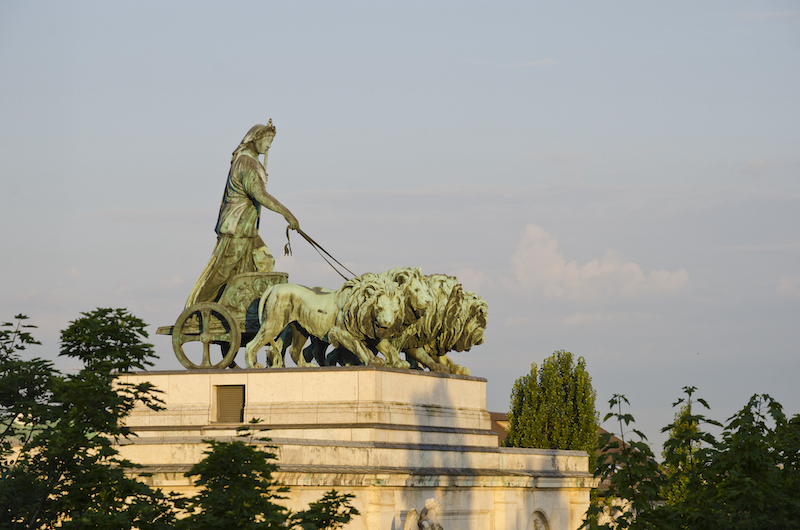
(618, 179)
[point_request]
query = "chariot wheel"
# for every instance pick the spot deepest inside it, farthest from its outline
(208, 323)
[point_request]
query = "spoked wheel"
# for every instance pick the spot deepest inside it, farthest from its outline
(208, 323)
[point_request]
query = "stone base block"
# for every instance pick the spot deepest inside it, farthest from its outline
(393, 438)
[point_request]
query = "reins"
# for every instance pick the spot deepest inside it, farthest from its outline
(287, 251)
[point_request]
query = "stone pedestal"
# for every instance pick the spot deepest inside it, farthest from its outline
(393, 438)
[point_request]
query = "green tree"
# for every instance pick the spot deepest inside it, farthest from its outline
(25, 394)
(631, 472)
(238, 490)
(684, 453)
(66, 469)
(787, 434)
(58, 434)
(554, 406)
(688, 454)
(747, 479)
(331, 512)
(25, 390)
(679, 470)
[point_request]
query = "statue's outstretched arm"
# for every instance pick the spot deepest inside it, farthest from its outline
(268, 201)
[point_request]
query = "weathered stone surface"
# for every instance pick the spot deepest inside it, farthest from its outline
(392, 437)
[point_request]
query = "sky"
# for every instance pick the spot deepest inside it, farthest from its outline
(616, 179)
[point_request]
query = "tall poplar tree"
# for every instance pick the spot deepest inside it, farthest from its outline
(553, 407)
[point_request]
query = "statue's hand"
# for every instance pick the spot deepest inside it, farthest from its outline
(292, 220)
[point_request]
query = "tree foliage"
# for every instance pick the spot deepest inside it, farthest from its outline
(679, 459)
(630, 470)
(25, 389)
(554, 406)
(237, 489)
(686, 453)
(332, 511)
(58, 434)
(748, 478)
(65, 468)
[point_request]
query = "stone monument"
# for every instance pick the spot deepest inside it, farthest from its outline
(239, 300)
(399, 434)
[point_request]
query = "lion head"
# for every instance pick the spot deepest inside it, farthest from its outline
(456, 321)
(370, 307)
(414, 291)
(477, 312)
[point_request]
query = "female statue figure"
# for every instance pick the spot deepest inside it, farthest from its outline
(239, 248)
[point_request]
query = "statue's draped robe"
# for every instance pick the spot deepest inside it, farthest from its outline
(239, 248)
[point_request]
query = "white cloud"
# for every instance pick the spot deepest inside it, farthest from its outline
(538, 266)
(788, 286)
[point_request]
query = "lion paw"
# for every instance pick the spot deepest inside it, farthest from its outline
(439, 368)
(461, 370)
(377, 361)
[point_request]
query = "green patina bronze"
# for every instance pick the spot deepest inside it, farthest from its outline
(220, 307)
(239, 300)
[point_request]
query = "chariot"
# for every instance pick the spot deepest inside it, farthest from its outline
(230, 322)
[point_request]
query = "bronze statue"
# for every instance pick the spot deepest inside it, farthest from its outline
(239, 298)
(239, 248)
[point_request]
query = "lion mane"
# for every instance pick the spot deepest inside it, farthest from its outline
(397, 310)
(455, 322)
(414, 291)
(405, 284)
(357, 299)
(365, 308)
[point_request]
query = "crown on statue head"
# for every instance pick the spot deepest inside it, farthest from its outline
(270, 132)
